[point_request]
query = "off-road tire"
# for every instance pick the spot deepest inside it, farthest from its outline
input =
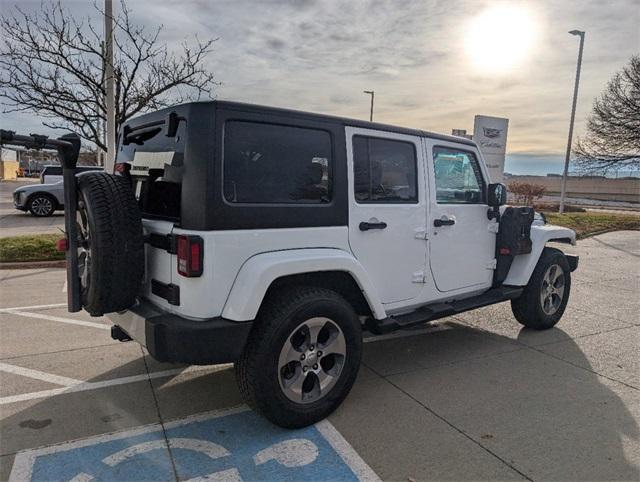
(116, 242)
(257, 370)
(527, 308)
(33, 200)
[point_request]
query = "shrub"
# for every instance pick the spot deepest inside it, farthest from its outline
(525, 192)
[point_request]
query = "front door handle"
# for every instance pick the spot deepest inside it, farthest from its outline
(444, 222)
(367, 226)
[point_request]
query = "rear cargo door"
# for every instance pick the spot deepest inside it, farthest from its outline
(155, 164)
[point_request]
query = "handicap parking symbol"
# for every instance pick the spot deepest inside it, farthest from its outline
(233, 445)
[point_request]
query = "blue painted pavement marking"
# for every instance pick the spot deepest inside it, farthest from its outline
(233, 445)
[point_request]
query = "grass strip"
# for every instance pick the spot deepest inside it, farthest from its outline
(38, 247)
(586, 224)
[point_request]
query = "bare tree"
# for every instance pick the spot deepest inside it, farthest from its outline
(526, 193)
(612, 140)
(52, 64)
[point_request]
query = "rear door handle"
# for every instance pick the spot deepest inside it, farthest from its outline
(444, 222)
(367, 226)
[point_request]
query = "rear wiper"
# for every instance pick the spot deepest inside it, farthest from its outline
(140, 135)
(148, 130)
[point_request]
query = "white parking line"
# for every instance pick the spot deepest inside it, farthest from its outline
(85, 386)
(38, 375)
(59, 319)
(33, 307)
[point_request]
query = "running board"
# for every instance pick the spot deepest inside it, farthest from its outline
(440, 310)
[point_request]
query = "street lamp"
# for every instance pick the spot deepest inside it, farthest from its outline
(372, 94)
(573, 116)
(110, 102)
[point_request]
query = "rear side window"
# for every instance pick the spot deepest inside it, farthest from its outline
(384, 170)
(276, 164)
(458, 177)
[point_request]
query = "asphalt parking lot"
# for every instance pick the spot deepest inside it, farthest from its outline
(472, 397)
(17, 223)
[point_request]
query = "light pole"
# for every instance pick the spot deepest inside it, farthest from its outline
(372, 94)
(109, 86)
(563, 190)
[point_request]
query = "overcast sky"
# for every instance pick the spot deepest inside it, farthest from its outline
(433, 64)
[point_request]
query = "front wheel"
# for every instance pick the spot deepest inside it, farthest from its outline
(302, 356)
(42, 205)
(545, 297)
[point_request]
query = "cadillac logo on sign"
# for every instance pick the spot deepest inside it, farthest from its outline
(491, 133)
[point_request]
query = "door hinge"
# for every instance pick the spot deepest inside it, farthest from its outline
(493, 227)
(421, 233)
(162, 241)
(492, 264)
(418, 277)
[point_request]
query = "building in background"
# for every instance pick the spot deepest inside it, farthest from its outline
(490, 133)
(9, 166)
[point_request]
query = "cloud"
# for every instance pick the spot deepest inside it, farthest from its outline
(321, 55)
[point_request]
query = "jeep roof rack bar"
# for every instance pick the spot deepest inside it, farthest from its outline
(68, 147)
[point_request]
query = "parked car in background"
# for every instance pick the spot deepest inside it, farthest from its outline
(42, 200)
(53, 174)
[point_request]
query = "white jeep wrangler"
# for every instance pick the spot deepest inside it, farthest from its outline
(273, 238)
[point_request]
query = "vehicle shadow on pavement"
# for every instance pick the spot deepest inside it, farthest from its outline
(593, 432)
(552, 419)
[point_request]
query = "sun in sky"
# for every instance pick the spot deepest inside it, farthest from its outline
(500, 38)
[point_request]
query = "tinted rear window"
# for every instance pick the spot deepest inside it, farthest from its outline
(276, 164)
(156, 169)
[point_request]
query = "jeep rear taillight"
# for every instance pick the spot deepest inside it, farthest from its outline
(190, 251)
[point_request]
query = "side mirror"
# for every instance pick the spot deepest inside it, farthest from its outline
(496, 195)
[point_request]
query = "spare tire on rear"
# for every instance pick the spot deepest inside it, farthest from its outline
(110, 243)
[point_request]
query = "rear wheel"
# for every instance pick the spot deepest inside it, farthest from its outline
(42, 205)
(302, 356)
(110, 243)
(545, 297)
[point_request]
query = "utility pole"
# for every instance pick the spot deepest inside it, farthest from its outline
(565, 173)
(372, 94)
(110, 101)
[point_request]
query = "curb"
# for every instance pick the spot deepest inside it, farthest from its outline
(34, 264)
(604, 231)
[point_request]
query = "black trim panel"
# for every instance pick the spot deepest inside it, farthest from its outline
(436, 311)
(171, 338)
(573, 260)
(169, 292)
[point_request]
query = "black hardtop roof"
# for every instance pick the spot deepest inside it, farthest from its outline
(255, 108)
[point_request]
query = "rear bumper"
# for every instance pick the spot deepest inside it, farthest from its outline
(171, 338)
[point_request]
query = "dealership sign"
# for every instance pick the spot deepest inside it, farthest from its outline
(490, 133)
